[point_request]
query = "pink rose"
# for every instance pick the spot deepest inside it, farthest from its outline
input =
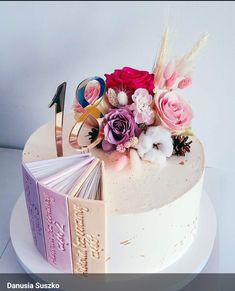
(185, 83)
(174, 112)
(128, 80)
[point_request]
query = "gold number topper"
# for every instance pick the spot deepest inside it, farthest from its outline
(87, 119)
(58, 100)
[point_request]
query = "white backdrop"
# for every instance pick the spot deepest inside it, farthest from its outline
(45, 43)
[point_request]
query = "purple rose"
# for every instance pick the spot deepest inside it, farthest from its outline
(119, 127)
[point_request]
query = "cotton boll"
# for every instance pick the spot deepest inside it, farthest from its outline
(145, 144)
(166, 146)
(158, 132)
(155, 156)
(122, 98)
(155, 144)
(162, 137)
(163, 131)
(152, 132)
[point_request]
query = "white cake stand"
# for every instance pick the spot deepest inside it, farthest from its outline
(192, 262)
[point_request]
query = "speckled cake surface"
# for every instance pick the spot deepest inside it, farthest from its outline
(130, 190)
(152, 212)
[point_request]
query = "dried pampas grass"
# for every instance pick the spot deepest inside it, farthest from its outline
(161, 58)
(186, 61)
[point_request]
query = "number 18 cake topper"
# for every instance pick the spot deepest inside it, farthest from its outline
(88, 118)
(58, 100)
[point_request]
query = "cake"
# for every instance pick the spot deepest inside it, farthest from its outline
(139, 127)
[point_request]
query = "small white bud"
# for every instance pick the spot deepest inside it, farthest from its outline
(122, 98)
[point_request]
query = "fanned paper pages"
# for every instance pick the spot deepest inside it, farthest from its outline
(64, 198)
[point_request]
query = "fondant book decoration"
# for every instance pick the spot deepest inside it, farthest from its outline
(64, 196)
(34, 210)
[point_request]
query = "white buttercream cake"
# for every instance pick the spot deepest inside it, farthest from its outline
(134, 205)
(152, 212)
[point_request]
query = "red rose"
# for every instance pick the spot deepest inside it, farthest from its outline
(128, 80)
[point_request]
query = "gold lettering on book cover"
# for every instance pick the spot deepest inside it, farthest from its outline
(87, 245)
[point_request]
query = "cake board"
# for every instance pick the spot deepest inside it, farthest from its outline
(192, 262)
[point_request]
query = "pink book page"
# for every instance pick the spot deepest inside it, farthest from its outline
(56, 228)
(34, 210)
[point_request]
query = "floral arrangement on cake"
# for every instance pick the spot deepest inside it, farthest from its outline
(146, 111)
